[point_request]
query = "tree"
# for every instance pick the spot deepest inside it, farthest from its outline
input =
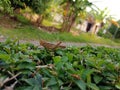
(115, 28)
(71, 10)
(99, 16)
(37, 6)
(5, 6)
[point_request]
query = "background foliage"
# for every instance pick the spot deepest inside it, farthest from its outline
(113, 29)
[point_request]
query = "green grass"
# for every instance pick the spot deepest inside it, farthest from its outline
(22, 19)
(25, 31)
(49, 23)
(117, 40)
(29, 32)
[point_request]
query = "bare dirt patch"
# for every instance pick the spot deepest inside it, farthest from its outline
(7, 21)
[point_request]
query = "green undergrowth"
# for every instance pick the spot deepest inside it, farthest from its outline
(82, 68)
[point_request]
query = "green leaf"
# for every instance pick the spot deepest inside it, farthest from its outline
(35, 82)
(7, 49)
(68, 65)
(36, 87)
(86, 74)
(59, 52)
(30, 81)
(70, 56)
(117, 85)
(64, 58)
(38, 79)
(97, 79)
(4, 56)
(106, 88)
(24, 88)
(60, 82)
(26, 65)
(2, 78)
(66, 88)
(57, 59)
(51, 81)
(54, 87)
(91, 62)
(93, 86)
(81, 84)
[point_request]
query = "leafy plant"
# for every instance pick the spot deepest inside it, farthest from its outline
(28, 67)
(5, 6)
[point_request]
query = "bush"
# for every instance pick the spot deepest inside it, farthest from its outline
(113, 29)
(105, 35)
(5, 6)
(38, 6)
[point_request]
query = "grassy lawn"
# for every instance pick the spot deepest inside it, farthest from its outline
(48, 23)
(29, 32)
(25, 31)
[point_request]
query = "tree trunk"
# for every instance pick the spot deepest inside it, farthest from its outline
(71, 22)
(68, 22)
(39, 20)
(68, 19)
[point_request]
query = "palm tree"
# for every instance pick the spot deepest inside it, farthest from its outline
(99, 16)
(71, 10)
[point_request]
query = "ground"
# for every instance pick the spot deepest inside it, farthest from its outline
(7, 21)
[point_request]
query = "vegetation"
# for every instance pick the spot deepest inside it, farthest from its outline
(5, 6)
(31, 68)
(24, 30)
(71, 10)
(28, 67)
(31, 33)
(38, 6)
(115, 30)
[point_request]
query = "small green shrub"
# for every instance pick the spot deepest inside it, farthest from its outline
(115, 31)
(105, 35)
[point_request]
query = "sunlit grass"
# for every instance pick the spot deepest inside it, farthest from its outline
(49, 23)
(25, 31)
(32, 33)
